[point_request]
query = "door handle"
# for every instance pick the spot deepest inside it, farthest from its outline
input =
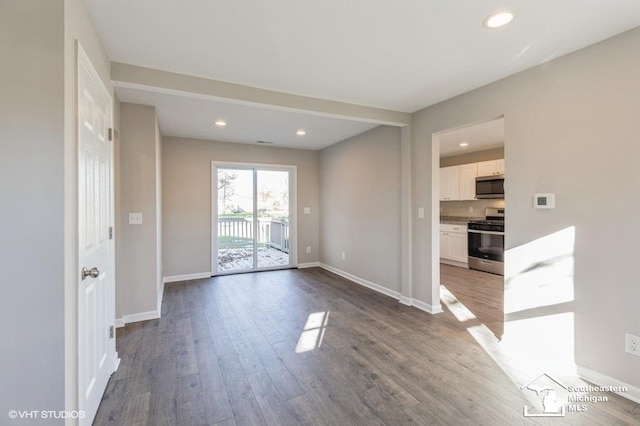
(93, 273)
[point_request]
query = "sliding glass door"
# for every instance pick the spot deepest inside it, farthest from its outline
(253, 225)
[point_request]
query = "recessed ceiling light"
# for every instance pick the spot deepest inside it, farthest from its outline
(498, 19)
(221, 123)
(301, 132)
(463, 144)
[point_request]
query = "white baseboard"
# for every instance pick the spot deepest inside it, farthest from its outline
(423, 306)
(141, 316)
(116, 363)
(186, 277)
(308, 265)
(600, 379)
(362, 281)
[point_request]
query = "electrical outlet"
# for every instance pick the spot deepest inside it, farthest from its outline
(344, 256)
(632, 344)
(308, 249)
(470, 209)
(135, 218)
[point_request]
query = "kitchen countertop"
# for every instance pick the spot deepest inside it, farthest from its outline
(457, 220)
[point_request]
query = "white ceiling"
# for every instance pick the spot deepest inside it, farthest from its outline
(189, 117)
(396, 55)
(479, 137)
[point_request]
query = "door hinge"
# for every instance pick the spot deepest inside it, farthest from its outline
(110, 134)
(111, 232)
(112, 332)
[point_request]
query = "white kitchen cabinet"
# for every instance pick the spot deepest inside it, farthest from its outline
(491, 168)
(449, 183)
(467, 181)
(453, 243)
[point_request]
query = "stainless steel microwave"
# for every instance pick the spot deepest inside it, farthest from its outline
(490, 187)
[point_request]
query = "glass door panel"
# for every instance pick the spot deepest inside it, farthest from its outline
(274, 247)
(236, 220)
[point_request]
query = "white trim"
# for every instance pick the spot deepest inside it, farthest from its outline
(600, 379)
(406, 225)
(308, 265)
(141, 316)
(186, 277)
(423, 306)
(293, 210)
(160, 296)
(362, 281)
(116, 363)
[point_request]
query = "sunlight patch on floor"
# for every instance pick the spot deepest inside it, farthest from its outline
(313, 333)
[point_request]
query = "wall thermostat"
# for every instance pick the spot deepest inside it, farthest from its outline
(544, 201)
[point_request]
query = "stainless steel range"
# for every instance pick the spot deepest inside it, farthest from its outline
(486, 242)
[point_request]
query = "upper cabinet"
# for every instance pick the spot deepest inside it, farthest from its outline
(459, 182)
(449, 183)
(468, 174)
(490, 168)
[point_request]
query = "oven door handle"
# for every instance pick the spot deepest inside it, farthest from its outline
(486, 232)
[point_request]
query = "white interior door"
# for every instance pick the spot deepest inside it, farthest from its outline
(96, 294)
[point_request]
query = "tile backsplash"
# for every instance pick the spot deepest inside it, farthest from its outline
(461, 208)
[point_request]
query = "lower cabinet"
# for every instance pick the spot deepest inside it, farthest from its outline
(453, 243)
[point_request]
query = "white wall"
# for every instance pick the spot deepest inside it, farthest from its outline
(187, 198)
(360, 198)
(138, 264)
(571, 129)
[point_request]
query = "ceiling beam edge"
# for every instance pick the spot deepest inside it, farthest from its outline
(126, 75)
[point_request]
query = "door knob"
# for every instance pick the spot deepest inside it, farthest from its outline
(93, 272)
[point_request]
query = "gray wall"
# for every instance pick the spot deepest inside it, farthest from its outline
(138, 264)
(187, 198)
(32, 213)
(571, 129)
(38, 187)
(360, 197)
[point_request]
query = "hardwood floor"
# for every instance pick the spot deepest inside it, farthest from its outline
(482, 293)
(308, 347)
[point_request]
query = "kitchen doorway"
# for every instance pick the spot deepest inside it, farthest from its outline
(470, 221)
(253, 218)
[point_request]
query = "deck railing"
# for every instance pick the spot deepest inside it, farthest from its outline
(272, 232)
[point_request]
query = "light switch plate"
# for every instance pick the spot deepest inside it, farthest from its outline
(307, 210)
(420, 212)
(135, 218)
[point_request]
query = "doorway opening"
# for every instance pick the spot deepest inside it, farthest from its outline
(253, 217)
(466, 158)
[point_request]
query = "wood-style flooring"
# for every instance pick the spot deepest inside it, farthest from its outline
(308, 347)
(482, 293)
